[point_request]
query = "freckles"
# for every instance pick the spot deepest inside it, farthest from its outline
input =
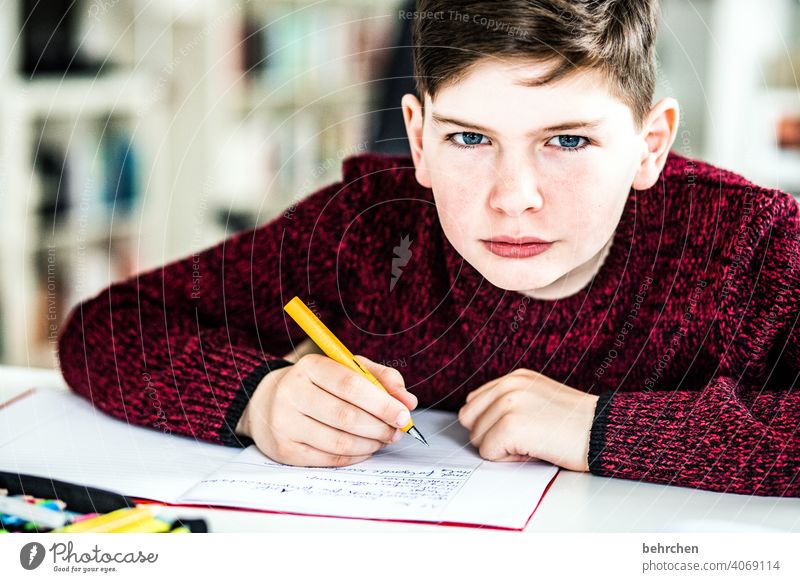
(590, 217)
(460, 193)
(567, 199)
(575, 180)
(453, 190)
(453, 197)
(453, 215)
(465, 181)
(574, 206)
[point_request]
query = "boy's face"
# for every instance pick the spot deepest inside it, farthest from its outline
(555, 162)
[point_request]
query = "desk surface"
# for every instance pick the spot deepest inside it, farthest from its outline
(576, 502)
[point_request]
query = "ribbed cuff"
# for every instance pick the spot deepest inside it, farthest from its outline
(597, 435)
(227, 434)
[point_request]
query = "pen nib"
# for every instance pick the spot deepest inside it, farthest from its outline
(418, 435)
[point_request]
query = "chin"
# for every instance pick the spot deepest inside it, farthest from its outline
(519, 281)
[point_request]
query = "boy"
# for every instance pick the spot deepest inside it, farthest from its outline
(543, 264)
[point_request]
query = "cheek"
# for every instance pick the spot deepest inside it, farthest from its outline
(566, 197)
(585, 201)
(459, 211)
(459, 190)
(460, 171)
(454, 168)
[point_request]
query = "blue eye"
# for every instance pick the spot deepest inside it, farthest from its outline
(569, 142)
(467, 139)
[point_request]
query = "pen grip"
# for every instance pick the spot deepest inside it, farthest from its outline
(326, 339)
(329, 343)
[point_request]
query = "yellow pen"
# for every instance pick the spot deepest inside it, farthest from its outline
(108, 522)
(150, 525)
(336, 350)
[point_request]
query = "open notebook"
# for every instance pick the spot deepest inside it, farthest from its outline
(59, 435)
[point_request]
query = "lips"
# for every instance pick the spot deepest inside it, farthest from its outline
(516, 248)
(516, 241)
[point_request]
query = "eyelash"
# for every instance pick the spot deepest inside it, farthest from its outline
(584, 145)
(449, 138)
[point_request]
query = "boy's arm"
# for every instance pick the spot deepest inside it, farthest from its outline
(715, 439)
(182, 347)
(741, 432)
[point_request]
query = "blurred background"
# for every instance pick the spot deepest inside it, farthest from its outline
(135, 132)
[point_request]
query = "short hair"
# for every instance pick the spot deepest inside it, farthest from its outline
(616, 37)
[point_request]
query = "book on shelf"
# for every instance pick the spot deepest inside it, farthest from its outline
(88, 188)
(87, 172)
(314, 51)
(51, 39)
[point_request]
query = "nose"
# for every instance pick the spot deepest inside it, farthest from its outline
(516, 189)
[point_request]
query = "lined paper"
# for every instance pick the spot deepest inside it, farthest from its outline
(446, 482)
(61, 436)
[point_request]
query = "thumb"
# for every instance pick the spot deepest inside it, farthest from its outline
(391, 379)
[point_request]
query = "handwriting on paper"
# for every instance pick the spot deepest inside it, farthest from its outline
(427, 487)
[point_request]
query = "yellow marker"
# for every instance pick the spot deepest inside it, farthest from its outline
(108, 522)
(335, 349)
(149, 525)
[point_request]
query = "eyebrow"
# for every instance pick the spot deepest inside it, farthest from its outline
(576, 124)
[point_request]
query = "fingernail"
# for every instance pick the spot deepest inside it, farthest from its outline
(398, 434)
(403, 418)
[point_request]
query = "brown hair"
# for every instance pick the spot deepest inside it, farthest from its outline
(614, 36)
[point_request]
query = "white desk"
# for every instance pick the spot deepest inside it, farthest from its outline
(576, 502)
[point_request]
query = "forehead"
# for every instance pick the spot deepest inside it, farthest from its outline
(503, 94)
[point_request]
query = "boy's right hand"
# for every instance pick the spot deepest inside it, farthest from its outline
(320, 413)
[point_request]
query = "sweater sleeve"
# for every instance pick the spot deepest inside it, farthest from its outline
(740, 432)
(182, 347)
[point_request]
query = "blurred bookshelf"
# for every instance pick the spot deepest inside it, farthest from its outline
(299, 100)
(142, 132)
(145, 131)
(734, 65)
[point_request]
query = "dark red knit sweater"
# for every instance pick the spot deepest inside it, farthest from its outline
(688, 332)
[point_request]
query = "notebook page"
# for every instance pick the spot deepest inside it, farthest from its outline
(447, 481)
(61, 436)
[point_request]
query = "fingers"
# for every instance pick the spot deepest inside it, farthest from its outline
(477, 405)
(391, 379)
(335, 442)
(340, 414)
(510, 458)
(499, 441)
(482, 389)
(308, 456)
(344, 383)
(494, 412)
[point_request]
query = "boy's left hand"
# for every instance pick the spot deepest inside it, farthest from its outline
(525, 415)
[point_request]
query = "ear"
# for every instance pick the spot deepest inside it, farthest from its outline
(413, 117)
(659, 130)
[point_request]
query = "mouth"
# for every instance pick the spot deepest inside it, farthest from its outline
(516, 248)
